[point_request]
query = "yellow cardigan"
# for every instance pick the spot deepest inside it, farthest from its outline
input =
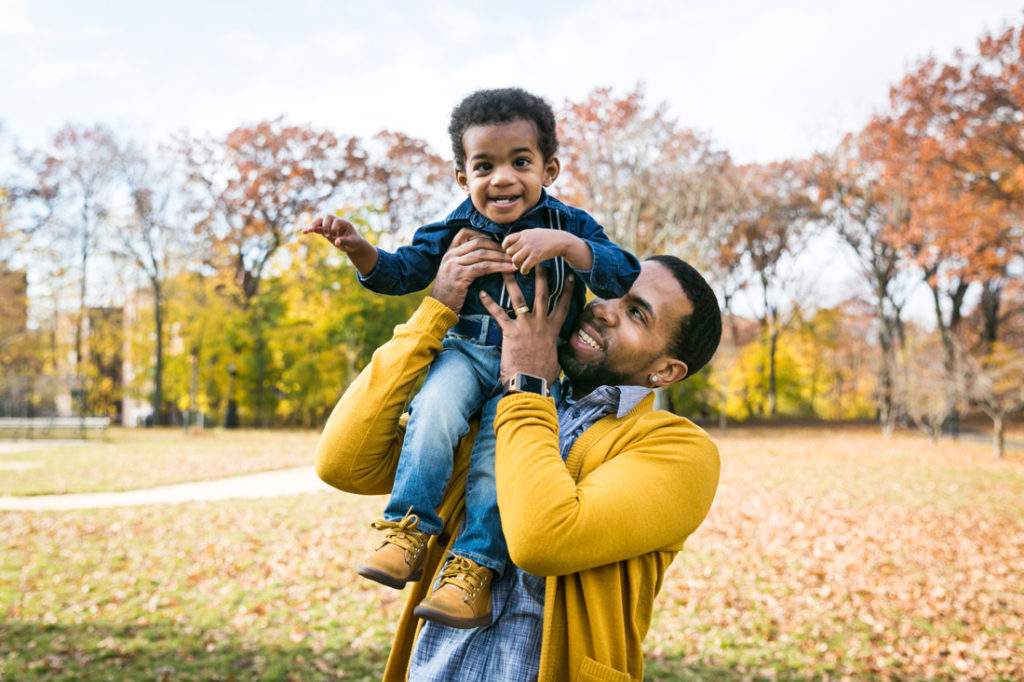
(603, 526)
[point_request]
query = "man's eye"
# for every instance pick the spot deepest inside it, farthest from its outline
(637, 313)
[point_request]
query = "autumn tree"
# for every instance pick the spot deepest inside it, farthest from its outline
(329, 328)
(769, 230)
(655, 187)
(861, 210)
(255, 188)
(994, 381)
(404, 185)
(201, 342)
(67, 194)
(18, 360)
(834, 375)
(953, 137)
(922, 388)
(151, 236)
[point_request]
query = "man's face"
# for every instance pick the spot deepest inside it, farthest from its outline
(505, 170)
(623, 341)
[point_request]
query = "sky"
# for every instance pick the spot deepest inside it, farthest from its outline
(764, 79)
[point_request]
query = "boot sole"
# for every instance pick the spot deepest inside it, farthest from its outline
(387, 579)
(427, 613)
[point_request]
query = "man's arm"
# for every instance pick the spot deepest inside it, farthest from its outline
(358, 450)
(652, 494)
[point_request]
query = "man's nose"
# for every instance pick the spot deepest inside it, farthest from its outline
(604, 310)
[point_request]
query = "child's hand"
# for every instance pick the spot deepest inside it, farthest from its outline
(530, 248)
(337, 231)
(343, 235)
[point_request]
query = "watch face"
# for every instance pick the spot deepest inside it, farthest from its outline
(531, 384)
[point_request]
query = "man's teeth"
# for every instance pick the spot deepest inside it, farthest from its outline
(589, 340)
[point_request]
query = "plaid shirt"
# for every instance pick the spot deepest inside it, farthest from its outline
(509, 648)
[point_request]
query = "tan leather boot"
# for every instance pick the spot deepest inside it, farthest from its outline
(463, 597)
(399, 559)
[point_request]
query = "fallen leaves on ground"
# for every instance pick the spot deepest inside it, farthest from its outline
(827, 555)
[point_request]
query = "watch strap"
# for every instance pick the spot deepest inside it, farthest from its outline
(526, 383)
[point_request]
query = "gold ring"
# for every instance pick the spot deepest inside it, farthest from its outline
(521, 309)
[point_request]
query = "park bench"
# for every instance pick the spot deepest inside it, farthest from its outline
(52, 427)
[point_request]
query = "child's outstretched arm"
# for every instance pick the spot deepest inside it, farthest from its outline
(530, 248)
(343, 235)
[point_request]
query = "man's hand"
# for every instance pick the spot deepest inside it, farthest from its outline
(343, 235)
(529, 342)
(470, 255)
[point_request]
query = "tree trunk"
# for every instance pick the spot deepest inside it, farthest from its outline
(80, 327)
(947, 331)
(773, 389)
(998, 436)
(158, 369)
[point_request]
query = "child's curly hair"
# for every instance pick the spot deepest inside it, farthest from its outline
(502, 105)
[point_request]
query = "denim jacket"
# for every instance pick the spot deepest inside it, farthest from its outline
(412, 268)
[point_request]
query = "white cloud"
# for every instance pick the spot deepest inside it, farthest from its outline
(14, 18)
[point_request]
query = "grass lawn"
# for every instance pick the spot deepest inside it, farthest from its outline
(829, 554)
(140, 458)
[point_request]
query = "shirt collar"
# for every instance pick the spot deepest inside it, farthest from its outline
(622, 399)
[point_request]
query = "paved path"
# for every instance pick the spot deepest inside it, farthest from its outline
(264, 484)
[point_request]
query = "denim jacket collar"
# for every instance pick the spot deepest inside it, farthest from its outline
(532, 218)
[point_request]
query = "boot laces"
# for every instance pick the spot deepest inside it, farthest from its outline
(464, 574)
(402, 533)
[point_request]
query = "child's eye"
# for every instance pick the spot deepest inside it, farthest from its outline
(521, 163)
(482, 167)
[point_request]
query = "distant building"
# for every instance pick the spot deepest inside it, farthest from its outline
(16, 382)
(104, 384)
(13, 305)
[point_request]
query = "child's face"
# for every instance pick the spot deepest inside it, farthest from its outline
(505, 170)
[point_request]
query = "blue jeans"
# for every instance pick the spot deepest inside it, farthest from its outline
(462, 379)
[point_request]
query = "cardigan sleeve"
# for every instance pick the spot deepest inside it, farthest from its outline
(652, 486)
(359, 447)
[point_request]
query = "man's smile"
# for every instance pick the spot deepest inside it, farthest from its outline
(589, 340)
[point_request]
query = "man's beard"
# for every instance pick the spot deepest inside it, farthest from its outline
(586, 377)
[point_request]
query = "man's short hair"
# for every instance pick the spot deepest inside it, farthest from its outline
(503, 105)
(696, 338)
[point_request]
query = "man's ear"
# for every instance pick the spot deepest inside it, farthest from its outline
(669, 371)
(461, 179)
(551, 169)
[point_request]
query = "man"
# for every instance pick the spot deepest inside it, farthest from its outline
(596, 490)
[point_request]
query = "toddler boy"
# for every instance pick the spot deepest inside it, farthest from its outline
(504, 142)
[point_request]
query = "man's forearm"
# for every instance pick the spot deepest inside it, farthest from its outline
(626, 489)
(358, 450)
